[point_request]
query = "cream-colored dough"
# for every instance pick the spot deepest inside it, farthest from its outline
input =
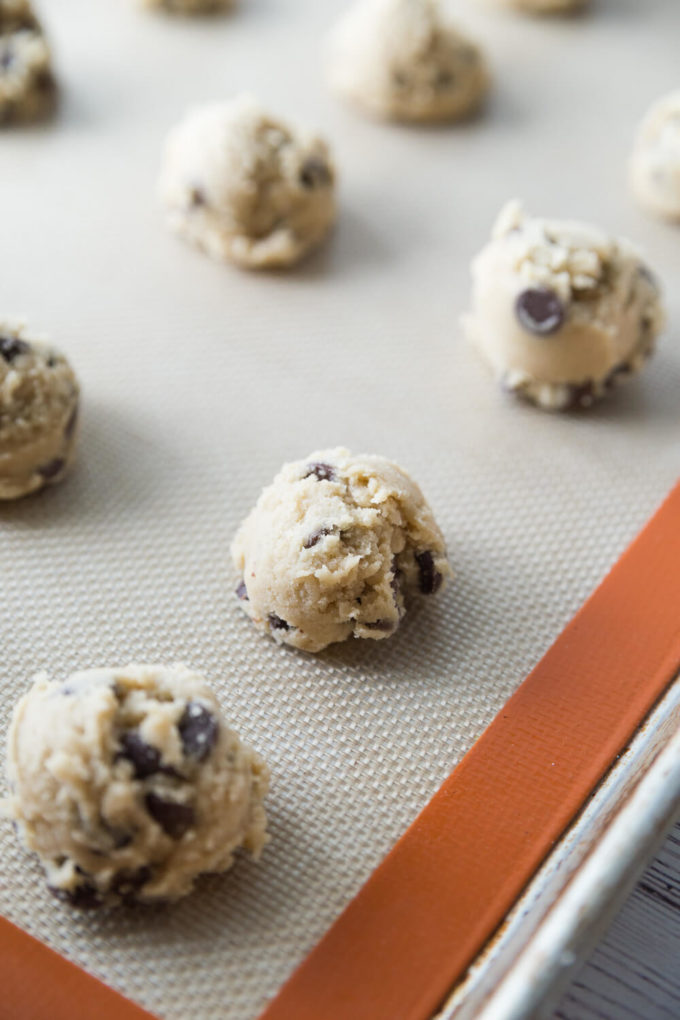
(189, 6)
(561, 311)
(38, 413)
(128, 783)
(403, 59)
(244, 186)
(27, 85)
(336, 547)
(655, 164)
(544, 6)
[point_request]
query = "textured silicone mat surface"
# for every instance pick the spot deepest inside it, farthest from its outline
(200, 380)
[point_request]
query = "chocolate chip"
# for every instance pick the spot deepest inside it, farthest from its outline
(315, 173)
(70, 426)
(383, 625)
(322, 472)
(198, 729)
(430, 578)
(276, 623)
(539, 310)
(126, 883)
(145, 759)
(197, 197)
(444, 80)
(242, 591)
(315, 537)
(52, 468)
(11, 347)
(173, 818)
(86, 896)
(581, 395)
(395, 583)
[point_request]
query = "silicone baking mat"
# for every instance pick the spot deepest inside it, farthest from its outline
(200, 380)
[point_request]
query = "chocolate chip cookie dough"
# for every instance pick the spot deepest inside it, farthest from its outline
(544, 6)
(336, 547)
(38, 413)
(403, 59)
(128, 784)
(244, 186)
(655, 164)
(561, 311)
(189, 6)
(27, 85)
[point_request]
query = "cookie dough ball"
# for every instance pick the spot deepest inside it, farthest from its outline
(403, 59)
(545, 6)
(27, 85)
(336, 547)
(246, 187)
(128, 784)
(655, 165)
(189, 6)
(561, 311)
(38, 413)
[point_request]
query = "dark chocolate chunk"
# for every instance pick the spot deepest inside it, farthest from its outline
(242, 591)
(322, 472)
(52, 468)
(315, 173)
(198, 729)
(430, 578)
(539, 310)
(85, 895)
(173, 818)
(276, 623)
(145, 759)
(395, 583)
(382, 625)
(126, 883)
(11, 347)
(70, 426)
(315, 537)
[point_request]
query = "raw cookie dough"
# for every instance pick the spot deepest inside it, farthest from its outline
(545, 6)
(189, 6)
(561, 311)
(38, 413)
(128, 783)
(27, 85)
(246, 187)
(655, 165)
(403, 59)
(335, 547)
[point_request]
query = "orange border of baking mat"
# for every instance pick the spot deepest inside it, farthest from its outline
(38, 984)
(428, 909)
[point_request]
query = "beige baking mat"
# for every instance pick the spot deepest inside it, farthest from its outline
(200, 380)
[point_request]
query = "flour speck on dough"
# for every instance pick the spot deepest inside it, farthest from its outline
(561, 311)
(337, 546)
(403, 59)
(128, 784)
(245, 187)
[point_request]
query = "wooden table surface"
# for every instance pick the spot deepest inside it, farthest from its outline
(634, 972)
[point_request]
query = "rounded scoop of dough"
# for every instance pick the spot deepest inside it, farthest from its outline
(189, 6)
(335, 547)
(561, 311)
(27, 85)
(655, 164)
(38, 413)
(545, 6)
(128, 784)
(402, 59)
(243, 186)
